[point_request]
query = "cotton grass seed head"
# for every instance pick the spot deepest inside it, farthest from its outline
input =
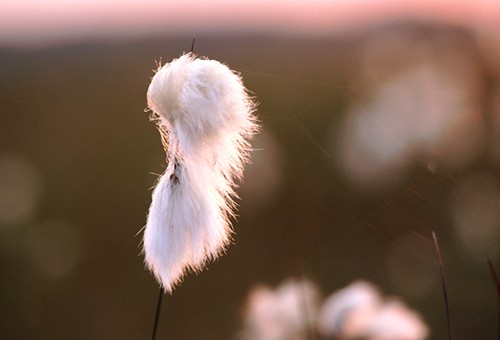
(205, 116)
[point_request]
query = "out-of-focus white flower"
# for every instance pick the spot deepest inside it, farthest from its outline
(349, 311)
(394, 321)
(291, 312)
(358, 311)
(204, 115)
(286, 313)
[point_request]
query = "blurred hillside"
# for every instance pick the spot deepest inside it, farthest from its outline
(370, 140)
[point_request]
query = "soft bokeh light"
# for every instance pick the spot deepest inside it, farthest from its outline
(425, 105)
(411, 266)
(20, 188)
(284, 313)
(54, 247)
(475, 210)
(263, 176)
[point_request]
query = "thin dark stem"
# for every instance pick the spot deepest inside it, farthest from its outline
(445, 294)
(300, 276)
(192, 44)
(494, 275)
(497, 286)
(312, 335)
(157, 316)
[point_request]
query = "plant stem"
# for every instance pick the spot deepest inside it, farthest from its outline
(157, 315)
(445, 294)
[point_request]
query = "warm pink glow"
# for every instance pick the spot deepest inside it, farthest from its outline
(27, 20)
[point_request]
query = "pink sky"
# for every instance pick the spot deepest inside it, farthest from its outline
(32, 21)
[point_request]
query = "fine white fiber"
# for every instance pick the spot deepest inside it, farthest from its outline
(205, 117)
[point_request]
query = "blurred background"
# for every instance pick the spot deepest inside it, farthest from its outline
(381, 123)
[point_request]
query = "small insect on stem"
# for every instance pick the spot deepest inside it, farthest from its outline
(174, 178)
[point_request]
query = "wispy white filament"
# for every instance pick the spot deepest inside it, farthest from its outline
(205, 117)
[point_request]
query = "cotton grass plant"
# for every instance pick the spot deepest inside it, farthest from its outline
(205, 118)
(295, 310)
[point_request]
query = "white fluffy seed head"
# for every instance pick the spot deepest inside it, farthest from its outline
(200, 99)
(206, 118)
